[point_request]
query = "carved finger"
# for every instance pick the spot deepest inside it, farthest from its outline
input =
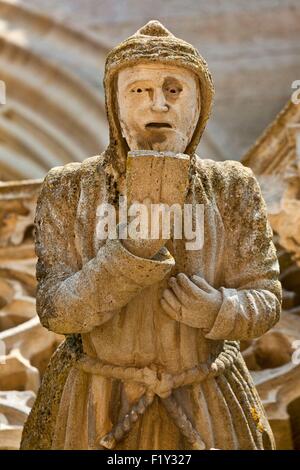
(201, 283)
(169, 310)
(189, 287)
(172, 300)
(179, 292)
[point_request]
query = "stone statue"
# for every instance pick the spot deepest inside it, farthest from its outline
(151, 358)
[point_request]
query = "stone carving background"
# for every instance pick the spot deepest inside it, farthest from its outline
(25, 346)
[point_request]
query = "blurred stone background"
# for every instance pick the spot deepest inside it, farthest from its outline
(52, 57)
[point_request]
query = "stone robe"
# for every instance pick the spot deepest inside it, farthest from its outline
(112, 299)
(107, 300)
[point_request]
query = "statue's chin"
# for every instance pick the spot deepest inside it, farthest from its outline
(174, 142)
(168, 147)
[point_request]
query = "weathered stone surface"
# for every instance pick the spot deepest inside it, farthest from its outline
(267, 357)
(275, 160)
(279, 386)
(25, 346)
(18, 374)
(14, 409)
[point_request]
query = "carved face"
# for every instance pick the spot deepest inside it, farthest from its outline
(159, 106)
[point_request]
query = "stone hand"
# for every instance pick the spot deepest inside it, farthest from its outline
(191, 301)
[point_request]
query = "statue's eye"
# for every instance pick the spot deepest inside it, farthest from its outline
(174, 90)
(137, 90)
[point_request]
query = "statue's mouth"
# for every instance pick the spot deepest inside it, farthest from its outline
(158, 125)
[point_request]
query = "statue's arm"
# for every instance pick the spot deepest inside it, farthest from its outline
(73, 300)
(251, 300)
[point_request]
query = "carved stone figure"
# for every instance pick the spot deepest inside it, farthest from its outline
(151, 358)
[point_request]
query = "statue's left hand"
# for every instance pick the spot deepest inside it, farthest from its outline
(191, 301)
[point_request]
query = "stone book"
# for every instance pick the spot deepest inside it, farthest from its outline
(163, 176)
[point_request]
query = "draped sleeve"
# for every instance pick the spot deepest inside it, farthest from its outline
(251, 292)
(74, 299)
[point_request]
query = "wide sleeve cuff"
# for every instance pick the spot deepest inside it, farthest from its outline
(226, 318)
(141, 271)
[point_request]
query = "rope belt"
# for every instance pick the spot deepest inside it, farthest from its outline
(161, 384)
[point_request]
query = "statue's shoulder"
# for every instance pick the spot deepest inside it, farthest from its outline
(223, 174)
(70, 174)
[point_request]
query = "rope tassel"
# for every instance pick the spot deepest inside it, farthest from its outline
(183, 423)
(110, 440)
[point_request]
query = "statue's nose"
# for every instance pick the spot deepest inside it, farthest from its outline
(159, 101)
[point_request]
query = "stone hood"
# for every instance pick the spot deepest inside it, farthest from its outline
(152, 43)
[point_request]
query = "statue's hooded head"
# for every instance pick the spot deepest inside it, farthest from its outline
(158, 93)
